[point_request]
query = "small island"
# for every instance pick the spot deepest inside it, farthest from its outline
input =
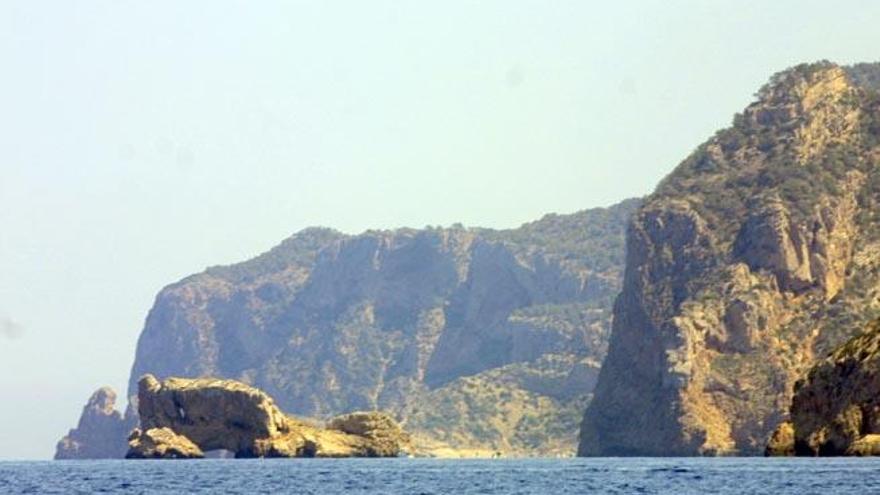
(184, 418)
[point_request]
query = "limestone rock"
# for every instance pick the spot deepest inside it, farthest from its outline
(836, 408)
(768, 240)
(739, 268)
(801, 256)
(161, 443)
(216, 414)
(781, 443)
(868, 445)
(101, 432)
(384, 434)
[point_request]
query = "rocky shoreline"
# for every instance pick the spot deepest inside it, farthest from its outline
(836, 408)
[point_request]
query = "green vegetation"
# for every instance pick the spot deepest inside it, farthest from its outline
(754, 158)
(500, 410)
(299, 249)
(594, 238)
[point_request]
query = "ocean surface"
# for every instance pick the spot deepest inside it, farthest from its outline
(426, 476)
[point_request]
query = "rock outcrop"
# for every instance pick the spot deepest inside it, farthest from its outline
(182, 418)
(836, 407)
(161, 443)
(781, 443)
(739, 269)
(383, 433)
(101, 431)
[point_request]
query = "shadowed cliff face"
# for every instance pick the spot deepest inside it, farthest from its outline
(739, 269)
(836, 407)
(473, 337)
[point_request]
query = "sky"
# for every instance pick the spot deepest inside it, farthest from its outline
(144, 141)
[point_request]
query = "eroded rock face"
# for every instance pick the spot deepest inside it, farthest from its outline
(769, 241)
(211, 414)
(384, 433)
(669, 242)
(836, 408)
(737, 268)
(101, 431)
(214, 414)
(781, 443)
(161, 443)
(801, 256)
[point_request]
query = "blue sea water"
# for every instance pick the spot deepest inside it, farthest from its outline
(460, 477)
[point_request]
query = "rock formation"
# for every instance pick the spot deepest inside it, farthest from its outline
(781, 443)
(836, 408)
(182, 418)
(740, 268)
(101, 431)
(161, 443)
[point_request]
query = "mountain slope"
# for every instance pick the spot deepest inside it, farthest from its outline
(757, 254)
(477, 338)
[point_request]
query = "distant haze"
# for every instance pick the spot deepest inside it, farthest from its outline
(143, 141)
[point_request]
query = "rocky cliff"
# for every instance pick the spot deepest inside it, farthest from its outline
(473, 338)
(757, 254)
(836, 407)
(183, 418)
(101, 431)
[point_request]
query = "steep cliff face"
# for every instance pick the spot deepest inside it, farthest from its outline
(101, 431)
(739, 269)
(475, 338)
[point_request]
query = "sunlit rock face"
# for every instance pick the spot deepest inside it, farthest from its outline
(161, 443)
(740, 269)
(182, 418)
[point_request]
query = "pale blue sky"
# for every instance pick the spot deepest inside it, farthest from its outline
(143, 141)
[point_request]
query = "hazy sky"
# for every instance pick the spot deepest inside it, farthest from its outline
(143, 141)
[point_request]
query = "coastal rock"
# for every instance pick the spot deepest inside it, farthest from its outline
(101, 432)
(228, 415)
(868, 445)
(214, 414)
(836, 408)
(781, 443)
(161, 443)
(739, 269)
(384, 434)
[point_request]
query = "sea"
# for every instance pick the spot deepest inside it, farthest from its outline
(460, 477)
